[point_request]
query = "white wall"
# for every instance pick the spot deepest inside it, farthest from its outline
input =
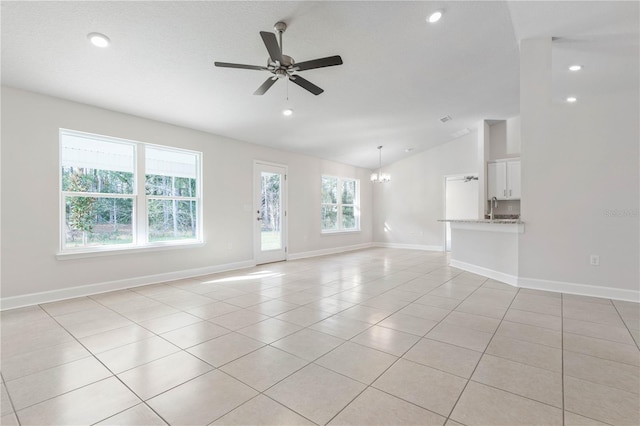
(30, 197)
(579, 164)
(406, 209)
(498, 140)
(514, 138)
(505, 139)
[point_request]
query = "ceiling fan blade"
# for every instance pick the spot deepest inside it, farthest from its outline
(241, 66)
(306, 84)
(319, 63)
(265, 86)
(271, 44)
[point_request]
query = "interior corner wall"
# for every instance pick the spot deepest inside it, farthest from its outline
(30, 197)
(580, 182)
(408, 207)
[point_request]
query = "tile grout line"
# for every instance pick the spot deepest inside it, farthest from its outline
(108, 369)
(15, 412)
(481, 356)
(405, 352)
(313, 362)
(625, 325)
(357, 334)
(183, 350)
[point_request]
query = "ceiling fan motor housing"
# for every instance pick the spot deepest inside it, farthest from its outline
(286, 61)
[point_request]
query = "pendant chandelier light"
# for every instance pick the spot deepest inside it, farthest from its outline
(380, 177)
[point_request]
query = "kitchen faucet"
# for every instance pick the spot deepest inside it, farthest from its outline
(494, 203)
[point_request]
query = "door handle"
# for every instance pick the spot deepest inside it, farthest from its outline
(509, 193)
(504, 192)
(258, 218)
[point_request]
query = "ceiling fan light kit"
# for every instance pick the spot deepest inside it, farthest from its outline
(283, 66)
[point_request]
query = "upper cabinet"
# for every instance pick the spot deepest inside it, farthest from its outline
(503, 179)
(513, 180)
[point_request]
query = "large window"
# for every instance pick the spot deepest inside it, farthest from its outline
(123, 194)
(340, 210)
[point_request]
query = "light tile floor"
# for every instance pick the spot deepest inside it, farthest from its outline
(378, 336)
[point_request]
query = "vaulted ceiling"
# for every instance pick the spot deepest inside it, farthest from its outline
(400, 73)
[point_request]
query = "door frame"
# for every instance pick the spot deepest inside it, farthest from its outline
(284, 194)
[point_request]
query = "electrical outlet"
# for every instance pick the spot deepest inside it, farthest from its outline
(594, 260)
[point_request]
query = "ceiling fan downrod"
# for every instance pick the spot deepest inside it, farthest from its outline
(280, 28)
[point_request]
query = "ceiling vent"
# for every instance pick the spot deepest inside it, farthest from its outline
(446, 118)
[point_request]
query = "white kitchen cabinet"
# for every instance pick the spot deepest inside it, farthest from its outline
(503, 180)
(497, 180)
(513, 180)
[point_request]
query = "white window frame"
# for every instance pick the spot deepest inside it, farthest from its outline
(340, 205)
(140, 213)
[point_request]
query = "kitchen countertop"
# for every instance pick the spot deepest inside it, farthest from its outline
(495, 221)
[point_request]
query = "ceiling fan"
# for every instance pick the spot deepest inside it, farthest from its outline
(283, 66)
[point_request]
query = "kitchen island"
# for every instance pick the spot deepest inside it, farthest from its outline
(487, 247)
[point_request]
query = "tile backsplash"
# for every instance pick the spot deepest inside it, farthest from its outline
(506, 207)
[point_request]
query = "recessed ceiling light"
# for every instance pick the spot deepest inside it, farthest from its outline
(434, 17)
(575, 67)
(287, 112)
(408, 150)
(572, 99)
(99, 40)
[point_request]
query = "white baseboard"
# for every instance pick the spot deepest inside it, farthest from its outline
(324, 252)
(485, 272)
(580, 289)
(87, 290)
(409, 246)
(553, 286)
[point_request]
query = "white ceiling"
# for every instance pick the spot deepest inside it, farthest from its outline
(400, 74)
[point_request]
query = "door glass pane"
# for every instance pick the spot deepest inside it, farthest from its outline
(270, 211)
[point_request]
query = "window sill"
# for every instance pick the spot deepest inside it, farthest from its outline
(353, 231)
(81, 254)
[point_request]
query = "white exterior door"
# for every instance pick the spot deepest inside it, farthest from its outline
(461, 201)
(270, 212)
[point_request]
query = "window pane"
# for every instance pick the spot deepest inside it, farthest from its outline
(329, 217)
(170, 172)
(85, 151)
(170, 186)
(348, 218)
(94, 221)
(76, 179)
(329, 190)
(170, 162)
(172, 220)
(348, 191)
